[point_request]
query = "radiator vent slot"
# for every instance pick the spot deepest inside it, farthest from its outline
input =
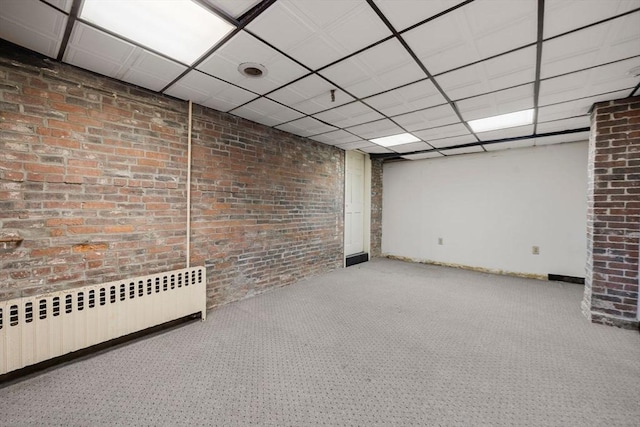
(37, 328)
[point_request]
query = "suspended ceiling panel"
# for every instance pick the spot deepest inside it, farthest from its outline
(344, 72)
(34, 25)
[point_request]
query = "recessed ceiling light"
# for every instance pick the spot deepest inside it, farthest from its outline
(401, 138)
(503, 121)
(181, 29)
(252, 70)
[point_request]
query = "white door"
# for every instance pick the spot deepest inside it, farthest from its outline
(354, 203)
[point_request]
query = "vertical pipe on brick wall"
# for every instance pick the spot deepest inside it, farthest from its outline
(189, 120)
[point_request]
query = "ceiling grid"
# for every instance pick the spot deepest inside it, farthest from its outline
(347, 72)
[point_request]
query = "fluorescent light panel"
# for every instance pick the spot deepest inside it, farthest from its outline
(181, 29)
(389, 141)
(503, 121)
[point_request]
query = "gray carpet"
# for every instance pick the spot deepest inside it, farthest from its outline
(381, 343)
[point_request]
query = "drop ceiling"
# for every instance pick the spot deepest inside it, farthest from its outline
(343, 72)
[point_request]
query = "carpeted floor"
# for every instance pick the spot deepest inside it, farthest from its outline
(381, 343)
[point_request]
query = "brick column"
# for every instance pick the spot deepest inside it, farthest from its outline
(376, 207)
(613, 214)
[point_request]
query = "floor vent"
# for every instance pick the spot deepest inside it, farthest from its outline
(41, 327)
(357, 258)
(569, 279)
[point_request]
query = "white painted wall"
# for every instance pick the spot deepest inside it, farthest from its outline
(490, 209)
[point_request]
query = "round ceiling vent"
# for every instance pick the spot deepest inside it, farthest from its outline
(252, 70)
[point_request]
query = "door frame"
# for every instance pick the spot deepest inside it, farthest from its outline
(366, 217)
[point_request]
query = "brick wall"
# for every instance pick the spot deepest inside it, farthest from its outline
(376, 207)
(613, 217)
(93, 188)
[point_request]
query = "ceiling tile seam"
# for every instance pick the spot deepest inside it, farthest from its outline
(436, 16)
(577, 116)
(243, 23)
(438, 127)
(589, 68)
(216, 10)
(488, 58)
(593, 24)
(338, 87)
(536, 83)
(420, 64)
(352, 54)
(390, 156)
(254, 12)
(54, 7)
(583, 97)
(71, 21)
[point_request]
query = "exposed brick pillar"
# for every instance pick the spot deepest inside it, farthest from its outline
(376, 207)
(613, 215)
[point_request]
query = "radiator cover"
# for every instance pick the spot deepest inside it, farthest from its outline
(37, 328)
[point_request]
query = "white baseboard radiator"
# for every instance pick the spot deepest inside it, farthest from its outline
(37, 328)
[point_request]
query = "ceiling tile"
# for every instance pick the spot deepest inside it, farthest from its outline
(209, 91)
(456, 129)
(180, 29)
(465, 150)
(576, 107)
(97, 51)
(316, 34)
(496, 103)
(404, 13)
(559, 139)
(306, 126)
(421, 156)
(234, 8)
(32, 24)
(310, 95)
(428, 118)
(606, 78)
(474, 32)
(505, 71)
(347, 115)
(607, 42)
(415, 96)
(355, 145)
(151, 71)
(564, 124)
(376, 129)
(566, 15)
(506, 133)
(521, 143)
(375, 149)
(267, 112)
(408, 148)
(452, 141)
(245, 48)
(337, 137)
(385, 66)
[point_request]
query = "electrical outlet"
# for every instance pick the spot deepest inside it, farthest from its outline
(535, 250)
(440, 241)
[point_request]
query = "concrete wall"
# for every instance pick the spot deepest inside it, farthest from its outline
(93, 188)
(490, 209)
